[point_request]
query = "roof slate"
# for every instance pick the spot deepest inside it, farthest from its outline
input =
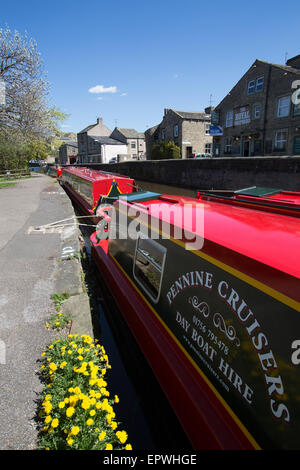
(106, 140)
(131, 133)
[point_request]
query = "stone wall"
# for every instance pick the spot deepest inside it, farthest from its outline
(214, 173)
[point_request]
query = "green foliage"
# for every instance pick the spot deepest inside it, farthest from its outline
(165, 150)
(59, 299)
(76, 411)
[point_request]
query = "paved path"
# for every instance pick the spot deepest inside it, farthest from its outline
(28, 261)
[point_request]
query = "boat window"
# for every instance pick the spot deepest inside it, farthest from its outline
(148, 266)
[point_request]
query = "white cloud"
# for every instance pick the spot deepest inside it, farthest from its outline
(99, 98)
(102, 89)
(123, 94)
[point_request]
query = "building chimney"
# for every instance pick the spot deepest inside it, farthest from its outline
(209, 109)
(99, 120)
(294, 62)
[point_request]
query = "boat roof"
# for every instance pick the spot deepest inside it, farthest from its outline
(94, 175)
(268, 237)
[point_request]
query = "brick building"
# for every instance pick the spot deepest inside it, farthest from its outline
(261, 114)
(188, 130)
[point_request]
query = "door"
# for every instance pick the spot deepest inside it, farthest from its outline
(246, 148)
(188, 152)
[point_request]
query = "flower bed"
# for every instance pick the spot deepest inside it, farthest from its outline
(76, 410)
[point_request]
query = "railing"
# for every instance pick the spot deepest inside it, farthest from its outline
(13, 174)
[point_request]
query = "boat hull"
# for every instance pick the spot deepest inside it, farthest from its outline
(197, 405)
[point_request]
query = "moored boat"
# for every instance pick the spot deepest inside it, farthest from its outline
(87, 188)
(210, 290)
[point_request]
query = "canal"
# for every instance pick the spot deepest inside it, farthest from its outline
(166, 189)
(143, 410)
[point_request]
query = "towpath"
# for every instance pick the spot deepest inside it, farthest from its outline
(28, 275)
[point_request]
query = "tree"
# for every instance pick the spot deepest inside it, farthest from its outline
(165, 150)
(25, 113)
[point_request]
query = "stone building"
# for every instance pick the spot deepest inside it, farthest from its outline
(134, 140)
(188, 130)
(68, 153)
(89, 150)
(260, 116)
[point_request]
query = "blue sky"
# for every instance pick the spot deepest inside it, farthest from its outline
(148, 56)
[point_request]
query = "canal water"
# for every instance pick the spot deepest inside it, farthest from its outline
(166, 189)
(143, 410)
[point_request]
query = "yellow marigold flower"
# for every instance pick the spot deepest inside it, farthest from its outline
(77, 390)
(70, 351)
(98, 405)
(113, 425)
(116, 399)
(80, 358)
(122, 436)
(89, 422)
(57, 323)
(92, 413)
(73, 400)
(85, 404)
(128, 447)
(75, 430)
(63, 364)
(66, 400)
(102, 436)
(74, 346)
(70, 441)
(55, 423)
(48, 408)
(70, 411)
(108, 447)
(61, 404)
(43, 354)
(48, 419)
(51, 346)
(52, 366)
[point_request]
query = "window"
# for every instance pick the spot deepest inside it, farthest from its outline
(207, 129)
(259, 84)
(280, 141)
(227, 146)
(133, 145)
(255, 86)
(283, 106)
(256, 111)
(176, 130)
(148, 266)
(229, 119)
(251, 87)
(208, 148)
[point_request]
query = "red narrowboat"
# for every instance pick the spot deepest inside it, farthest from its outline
(210, 288)
(87, 187)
